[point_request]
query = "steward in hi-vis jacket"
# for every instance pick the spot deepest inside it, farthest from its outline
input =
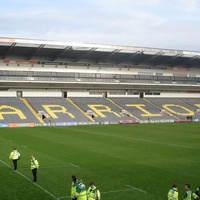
(93, 192)
(188, 193)
(34, 167)
(81, 191)
(73, 187)
(173, 193)
(15, 156)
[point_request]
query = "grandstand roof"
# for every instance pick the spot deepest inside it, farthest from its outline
(54, 51)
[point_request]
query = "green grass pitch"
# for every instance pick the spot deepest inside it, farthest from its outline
(126, 162)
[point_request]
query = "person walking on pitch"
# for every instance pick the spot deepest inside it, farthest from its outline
(34, 168)
(15, 156)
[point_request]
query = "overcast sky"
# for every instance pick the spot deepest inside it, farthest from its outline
(173, 24)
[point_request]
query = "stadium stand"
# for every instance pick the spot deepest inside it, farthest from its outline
(176, 106)
(141, 108)
(104, 109)
(57, 109)
(13, 110)
(35, 69)
(194, 102)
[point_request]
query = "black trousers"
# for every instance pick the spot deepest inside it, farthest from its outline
(34, 171)
(15, 164)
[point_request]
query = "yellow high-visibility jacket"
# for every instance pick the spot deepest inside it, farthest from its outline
(34, 164)
(73, 189)
(93, 193)
(187, 195)
(14, 155)
(173, 194)
(81, 192)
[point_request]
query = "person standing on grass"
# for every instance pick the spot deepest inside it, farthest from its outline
(34, 168)
(93, 192)
(15, 156)
(173, 192)
(188, 193)
(81, 190)
(73, 188)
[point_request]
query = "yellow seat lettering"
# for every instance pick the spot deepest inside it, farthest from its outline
(52, 109)
(14, 111)
(170, 107)
(100, 109)
(146, 112)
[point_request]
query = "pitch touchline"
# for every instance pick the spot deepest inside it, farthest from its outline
(142, 140)
(46, 191)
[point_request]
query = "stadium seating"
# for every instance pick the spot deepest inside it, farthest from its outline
(104, 109)
(141, 108)
(176, 106)
(88, 109)
(13, 110)
(57, 109)
(194, 102)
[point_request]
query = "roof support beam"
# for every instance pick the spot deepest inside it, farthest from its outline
(129, 57)
(152, 58)
(85, 54)
(108, 56)
(35, 51)
(193, 61)
(8, 50)
(174, 58)
(61, 53)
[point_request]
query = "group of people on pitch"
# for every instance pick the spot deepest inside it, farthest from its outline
(188, 194)
(15, 156)
(79, 192)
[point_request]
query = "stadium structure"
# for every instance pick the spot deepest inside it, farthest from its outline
(62, 83)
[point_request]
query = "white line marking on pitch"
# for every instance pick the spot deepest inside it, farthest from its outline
(115, 191)
(53, 166)
(73, 165)
(138, 189)
(66, 197)
(10, 140)
(46, 191)
(24, 146)
(137, 139)
(131, 188)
